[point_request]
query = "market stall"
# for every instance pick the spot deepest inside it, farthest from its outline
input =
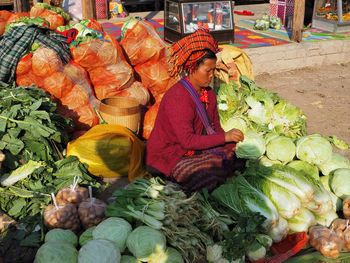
(61, 142)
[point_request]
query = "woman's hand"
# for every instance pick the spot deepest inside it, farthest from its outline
(234, 135)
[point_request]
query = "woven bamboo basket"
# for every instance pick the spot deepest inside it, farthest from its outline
(121, 110)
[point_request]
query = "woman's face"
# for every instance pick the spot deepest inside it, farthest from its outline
(204, 74)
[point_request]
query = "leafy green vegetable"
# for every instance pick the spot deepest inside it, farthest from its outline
(20, 173)
(30, 128)
(99, 250)
(252, 147)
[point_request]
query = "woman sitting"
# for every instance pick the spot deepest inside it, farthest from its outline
(187, 143)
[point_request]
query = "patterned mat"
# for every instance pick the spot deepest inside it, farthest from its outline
(310, 34)
(244, 38)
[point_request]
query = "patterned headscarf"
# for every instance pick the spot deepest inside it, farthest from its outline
(187, 51)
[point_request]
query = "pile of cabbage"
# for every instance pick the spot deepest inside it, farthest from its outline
(113, 240)
(294, 179)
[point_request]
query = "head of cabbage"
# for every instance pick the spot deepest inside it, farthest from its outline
(340, 183)
(63, 235)
(86, 236)
(143, 241)
(337, 161)
(281, 149)
(252, 147)
(99, 250)
(56, 252)
(129, 259)
(170, 255)
(314, 149)
(114, 229)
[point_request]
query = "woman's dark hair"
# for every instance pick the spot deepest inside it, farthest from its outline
(208, 55)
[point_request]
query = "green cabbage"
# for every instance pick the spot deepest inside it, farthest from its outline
(337, 161)
(314, 149)
(308, 169)
(302, 221)
(113, 229)
(252, 147)
(235, 122)
(336, 201)
(143, 241)
(56, 252)
(281, 148)
(86, 236)
(340, 183)
(129, 259)
(99, 250)
(63, 235)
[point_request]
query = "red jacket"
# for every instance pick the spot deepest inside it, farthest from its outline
(178, 129)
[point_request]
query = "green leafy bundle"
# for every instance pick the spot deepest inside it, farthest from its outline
(30, 129)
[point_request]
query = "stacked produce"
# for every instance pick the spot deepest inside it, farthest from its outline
(149, 56)
(266, 22)
(113, 240)
(32, 140)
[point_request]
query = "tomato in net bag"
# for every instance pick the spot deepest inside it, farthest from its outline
(141, 41)
(61, 216)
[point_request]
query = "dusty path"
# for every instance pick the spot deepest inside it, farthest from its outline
(322, 93)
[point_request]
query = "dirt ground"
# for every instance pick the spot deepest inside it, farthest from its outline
(322, 93)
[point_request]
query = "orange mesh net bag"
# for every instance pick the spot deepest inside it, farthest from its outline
(68, 84)
(54, 15)
(141, 42)
(104, 60)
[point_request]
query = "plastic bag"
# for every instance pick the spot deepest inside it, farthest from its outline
(4, 16)
(72, 195)
(109, 151)
(68, 84)
(141, 42)
(232, 63)
(149, 120)
(91, 211)
(61, 216)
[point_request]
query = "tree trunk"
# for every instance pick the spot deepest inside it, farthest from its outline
(89, 9)
(298, 20)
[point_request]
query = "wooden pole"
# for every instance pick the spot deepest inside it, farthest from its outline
(21, 5)
(89, 8)
(298, 20)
